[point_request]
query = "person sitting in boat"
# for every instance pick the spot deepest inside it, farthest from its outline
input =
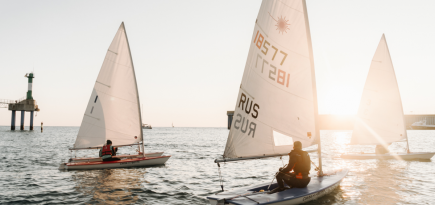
(380, 149)
(300, 164)
(108, 151)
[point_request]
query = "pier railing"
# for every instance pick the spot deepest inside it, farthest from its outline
(4, 102)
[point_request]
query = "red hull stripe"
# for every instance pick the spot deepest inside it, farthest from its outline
(119, 156)
(111, 162)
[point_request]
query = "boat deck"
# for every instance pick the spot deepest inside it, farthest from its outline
(251, 195)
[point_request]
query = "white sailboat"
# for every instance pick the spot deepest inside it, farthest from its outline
(380, 119)
(277, 104)
(113, 112)
(146, 126)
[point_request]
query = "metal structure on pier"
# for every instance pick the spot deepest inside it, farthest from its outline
(25, 104)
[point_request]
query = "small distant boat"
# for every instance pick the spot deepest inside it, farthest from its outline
(113, 112)
(421, 125)
(380, 119)
(146, 126)
(277, 105)
(172, 125)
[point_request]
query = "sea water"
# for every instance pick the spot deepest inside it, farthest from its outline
(29, 174)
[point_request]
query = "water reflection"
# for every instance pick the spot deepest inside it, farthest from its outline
(111, 186)
(369, 181)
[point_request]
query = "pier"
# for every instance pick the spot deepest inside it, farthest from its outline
(25, 104)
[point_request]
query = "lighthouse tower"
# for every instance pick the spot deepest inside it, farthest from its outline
(29, 91)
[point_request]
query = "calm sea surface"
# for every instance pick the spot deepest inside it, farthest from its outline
(29, 174)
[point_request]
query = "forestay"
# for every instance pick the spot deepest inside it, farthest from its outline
(277, 100)
(113, 109)
(380, 117)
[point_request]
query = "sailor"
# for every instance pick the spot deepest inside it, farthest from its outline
(300, 164)
(108, 151)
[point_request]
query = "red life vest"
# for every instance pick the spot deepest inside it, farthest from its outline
(106, 150)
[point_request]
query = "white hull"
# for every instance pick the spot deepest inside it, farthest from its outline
(138, 162)
(399, 156)
(98, 159)
(318, 187)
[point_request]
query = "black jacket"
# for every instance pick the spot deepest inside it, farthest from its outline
(299, 162)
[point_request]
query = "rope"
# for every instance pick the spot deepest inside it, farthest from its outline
(268, 188)
(221, 179)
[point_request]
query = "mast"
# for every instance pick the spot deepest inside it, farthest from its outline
(137, 92)
(401, 106)
(313, 79)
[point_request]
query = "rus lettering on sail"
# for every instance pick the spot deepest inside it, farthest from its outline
(246, 124)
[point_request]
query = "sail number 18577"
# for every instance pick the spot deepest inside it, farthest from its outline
(277, 75)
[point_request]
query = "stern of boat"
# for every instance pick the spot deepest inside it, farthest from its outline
(63, 166)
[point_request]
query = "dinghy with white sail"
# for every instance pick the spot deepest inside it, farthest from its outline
(380, 119)
(277, 104)
(113, 111)
(125, 156)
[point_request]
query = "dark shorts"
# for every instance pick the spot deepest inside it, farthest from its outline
(111, 159)
(292, 181)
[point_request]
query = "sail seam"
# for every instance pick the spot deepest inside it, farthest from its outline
(102, 92)
(103, 84)
(108, 129)
(246, 92)
(92, 117)
(112, 51)
(268, 81)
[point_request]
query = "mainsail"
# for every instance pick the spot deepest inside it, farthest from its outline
(380, 117)
(113, 109)
(277, 100)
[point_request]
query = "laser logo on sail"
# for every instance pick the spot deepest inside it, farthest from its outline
(281, 24)
(250, 108)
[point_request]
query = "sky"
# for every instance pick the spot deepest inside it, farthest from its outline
(189, 56)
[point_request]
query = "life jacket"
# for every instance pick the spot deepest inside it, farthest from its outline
(303, 165)
(106, 150)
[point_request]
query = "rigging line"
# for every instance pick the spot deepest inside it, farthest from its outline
(220, 177)
(251, 199)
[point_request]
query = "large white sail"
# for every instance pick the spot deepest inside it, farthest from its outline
(277, 101)
(113, 109)
(380, 117)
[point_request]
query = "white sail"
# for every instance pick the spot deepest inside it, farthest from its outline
(277, 101)
(113, 109)
(380, 117)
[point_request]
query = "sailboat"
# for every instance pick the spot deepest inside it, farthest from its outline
(277, 105)
(380, 119)
(113, 112)
(172, 125)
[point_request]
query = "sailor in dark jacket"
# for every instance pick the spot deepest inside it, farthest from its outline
(300, 164)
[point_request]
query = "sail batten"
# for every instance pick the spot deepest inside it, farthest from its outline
(380, 119)
(277, 103)
(113, 109)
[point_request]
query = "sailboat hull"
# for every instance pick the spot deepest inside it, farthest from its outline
(318, 187)
(399, 156)
(98, 159)
(124, 163)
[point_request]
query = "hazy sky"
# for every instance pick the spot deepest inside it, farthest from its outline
(189, 56)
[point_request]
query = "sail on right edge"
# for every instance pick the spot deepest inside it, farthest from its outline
(380, 118)
(276, 104)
